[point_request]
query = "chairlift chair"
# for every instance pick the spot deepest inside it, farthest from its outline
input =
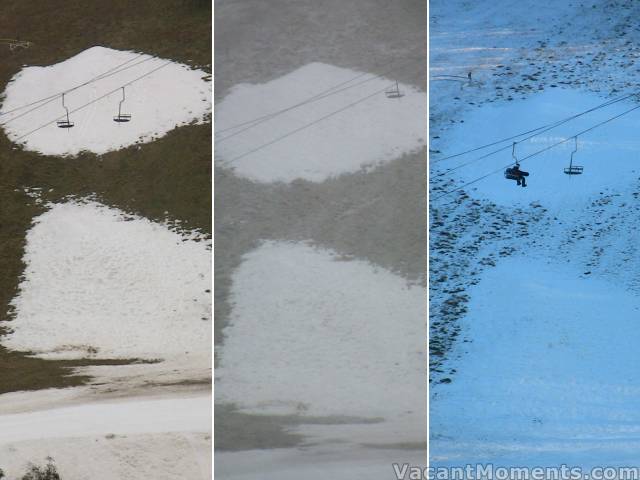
(66, 123)
(122, 117)
(394, 92)
(510, 174)
(574, 169)
(514, 173)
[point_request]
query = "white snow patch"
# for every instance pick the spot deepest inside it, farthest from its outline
(102, 283)
(302, 340)
(609, 154)
(172, 96)
(377, 130)
(550, 375)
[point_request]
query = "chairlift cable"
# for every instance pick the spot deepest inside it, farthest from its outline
(538, 132)
(537, 152)
(94, 100)
(102, 75)
(549, 125)
(322, 94)
(270, 116)
(319, 96)
(599, 124)
(51, 98)
(303, 127)
(278, 112)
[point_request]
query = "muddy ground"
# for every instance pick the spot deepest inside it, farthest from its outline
(170, 175)
(379, 216)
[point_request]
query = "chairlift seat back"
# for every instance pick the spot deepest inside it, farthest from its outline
(122, 118)
(65, 124)
(394, 94)
(573, 170)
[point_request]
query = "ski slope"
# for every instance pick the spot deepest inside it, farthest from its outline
(346, 359)
(165, 438)
(302, 342)
(101, 283)
(549, 375)
(535, 364)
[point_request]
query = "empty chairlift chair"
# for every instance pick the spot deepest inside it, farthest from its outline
(122, 117)
(66, 123)
(394, 92)
(574, 169)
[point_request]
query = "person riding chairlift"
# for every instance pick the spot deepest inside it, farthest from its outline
(519, 174)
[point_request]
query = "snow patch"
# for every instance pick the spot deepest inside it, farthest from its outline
(302, 340)
(171, 96)
(101, 283)
(609, 154)
(549, 375)
(374, 131)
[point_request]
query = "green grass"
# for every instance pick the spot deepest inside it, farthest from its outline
(170, 175)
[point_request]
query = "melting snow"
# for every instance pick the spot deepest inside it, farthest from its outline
(549, 376)
(102, 283)
(173, 95)
(376, 130)
(302, 340)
